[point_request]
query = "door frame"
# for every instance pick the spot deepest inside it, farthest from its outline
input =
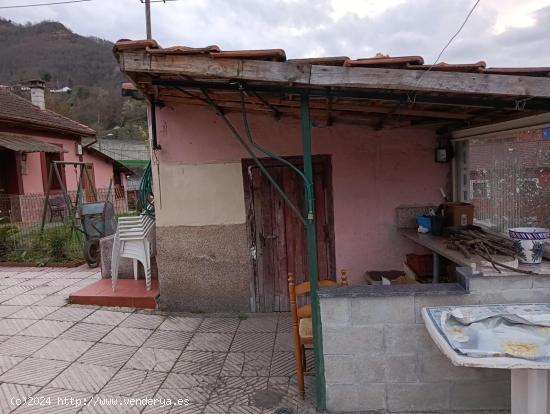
(326, 161)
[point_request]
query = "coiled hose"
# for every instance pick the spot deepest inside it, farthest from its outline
(145, 192)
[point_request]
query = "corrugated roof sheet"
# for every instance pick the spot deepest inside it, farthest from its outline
(380, 60)
(24, 143)
(18, 110)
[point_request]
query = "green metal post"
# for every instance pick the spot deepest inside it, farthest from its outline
(312, 257)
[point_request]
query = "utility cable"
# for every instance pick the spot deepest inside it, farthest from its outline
(453, 37)
(43, 4)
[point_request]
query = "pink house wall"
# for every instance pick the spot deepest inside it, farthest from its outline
(373, 172)
(32, 180)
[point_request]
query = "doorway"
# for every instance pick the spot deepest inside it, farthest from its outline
(277, 238)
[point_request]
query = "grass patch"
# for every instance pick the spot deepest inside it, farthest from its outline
(55, 244)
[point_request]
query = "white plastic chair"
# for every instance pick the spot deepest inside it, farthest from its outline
(132, 241)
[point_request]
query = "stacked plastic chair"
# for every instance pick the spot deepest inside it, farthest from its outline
(132, 241)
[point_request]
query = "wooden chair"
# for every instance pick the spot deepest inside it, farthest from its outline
(302, 329)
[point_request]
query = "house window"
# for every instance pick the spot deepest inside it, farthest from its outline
(480, 189)
(509, 180)
(47, 159)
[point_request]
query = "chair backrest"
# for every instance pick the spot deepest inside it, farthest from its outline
(304, 288)
(56, 202)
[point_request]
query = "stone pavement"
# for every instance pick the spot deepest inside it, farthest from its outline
(56, 357)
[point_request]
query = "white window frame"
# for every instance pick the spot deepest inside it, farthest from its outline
(487, 187)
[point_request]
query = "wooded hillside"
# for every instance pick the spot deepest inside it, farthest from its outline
(51, 52)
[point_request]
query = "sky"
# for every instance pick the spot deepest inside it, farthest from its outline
(499, 32)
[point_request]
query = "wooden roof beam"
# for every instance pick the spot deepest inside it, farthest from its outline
(290, 73)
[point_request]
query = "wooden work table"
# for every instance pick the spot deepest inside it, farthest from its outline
(438, 247)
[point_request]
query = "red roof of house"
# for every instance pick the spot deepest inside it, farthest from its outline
(15, 110)
(380, 60)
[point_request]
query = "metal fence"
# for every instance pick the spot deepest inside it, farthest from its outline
(22, 237)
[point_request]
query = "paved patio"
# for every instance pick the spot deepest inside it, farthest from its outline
(103, 357)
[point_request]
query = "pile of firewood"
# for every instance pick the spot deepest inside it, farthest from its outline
(472, 242)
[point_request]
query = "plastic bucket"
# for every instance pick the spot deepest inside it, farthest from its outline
(529, 243)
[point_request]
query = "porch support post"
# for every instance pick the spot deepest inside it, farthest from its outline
(312, 255)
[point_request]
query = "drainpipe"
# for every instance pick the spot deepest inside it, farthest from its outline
(153, 113)
(320, 390)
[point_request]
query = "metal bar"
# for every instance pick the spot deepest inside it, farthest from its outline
(44, 212)
(312, 258)
(308, 184)
(68, 201)
(292, 206)
(436, 262)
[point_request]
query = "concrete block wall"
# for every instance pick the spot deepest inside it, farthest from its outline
(379, 357)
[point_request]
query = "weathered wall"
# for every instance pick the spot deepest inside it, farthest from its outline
(373, 172)
(201, 194)
(379, 356)
(203, 268)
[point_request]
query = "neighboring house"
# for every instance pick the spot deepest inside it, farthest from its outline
(31, 137)
(225, 238)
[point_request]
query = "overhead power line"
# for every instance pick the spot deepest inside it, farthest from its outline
(453, 37)
(43, 4)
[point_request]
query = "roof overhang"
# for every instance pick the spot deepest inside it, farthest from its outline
(453, 99)
(23, 143)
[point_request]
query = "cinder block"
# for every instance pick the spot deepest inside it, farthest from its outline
(350, 398)
(513, 296)
(371, 398)
(335, 311)
(480, 395)
(496, 283)
(434, 368)
(400, 339)
(369, 368)
(392, 309)
(353, 339)
(342, 398)
(424, 397)
(541, 281)
(339, 369)
(426, 301)
(401, 369)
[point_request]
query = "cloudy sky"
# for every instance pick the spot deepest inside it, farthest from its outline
(501, 32)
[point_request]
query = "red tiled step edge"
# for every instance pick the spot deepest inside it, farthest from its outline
(129, 293)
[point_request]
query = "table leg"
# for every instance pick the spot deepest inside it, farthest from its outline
(530, 391)
(436, 261)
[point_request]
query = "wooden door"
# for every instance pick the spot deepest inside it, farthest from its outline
(88, 182)
(277, 238)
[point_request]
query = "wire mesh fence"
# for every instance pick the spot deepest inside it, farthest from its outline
(38, 230)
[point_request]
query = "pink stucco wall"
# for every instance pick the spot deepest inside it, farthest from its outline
(373, 172)
(32, 180)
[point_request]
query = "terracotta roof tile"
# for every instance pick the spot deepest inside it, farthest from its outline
(277, 55)
(520, 71)
(385, 61)
(184, 50)
(324, 61)
(452, 67)
(17, 110)
(380, 60)
(126, 44)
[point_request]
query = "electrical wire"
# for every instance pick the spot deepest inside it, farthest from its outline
(453, 37)
(43, 4)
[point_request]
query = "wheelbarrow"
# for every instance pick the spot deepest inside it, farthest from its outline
(97, 220)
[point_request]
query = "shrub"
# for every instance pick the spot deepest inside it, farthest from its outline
(7, 237)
